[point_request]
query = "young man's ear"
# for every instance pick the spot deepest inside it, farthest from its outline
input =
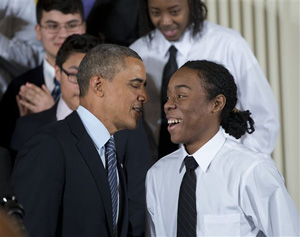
(38, 32)
(219, 103)
(97, 85)
(57, 73)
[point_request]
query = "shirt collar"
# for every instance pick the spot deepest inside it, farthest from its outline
(49, 73)
(63, 109)
(181, 45)
(206, 153)
(94, 127)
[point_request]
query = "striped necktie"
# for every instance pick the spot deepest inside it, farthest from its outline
(187, 212)
(111, 159)
(56, 91)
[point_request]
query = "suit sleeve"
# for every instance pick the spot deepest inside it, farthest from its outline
(38, 181)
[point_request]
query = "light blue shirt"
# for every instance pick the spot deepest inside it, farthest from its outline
(239, 193)
(99, 135)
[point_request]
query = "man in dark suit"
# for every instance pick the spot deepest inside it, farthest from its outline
(56, 20)
(60, 174)
(132, 146)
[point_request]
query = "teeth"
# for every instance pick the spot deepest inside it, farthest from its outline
(174, 121)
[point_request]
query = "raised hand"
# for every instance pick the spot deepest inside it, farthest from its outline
(33, 99)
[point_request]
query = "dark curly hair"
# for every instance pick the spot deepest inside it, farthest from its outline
(216, 80)
(198, 13)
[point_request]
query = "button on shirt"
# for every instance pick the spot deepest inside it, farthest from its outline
(239, 193)
(225, 46)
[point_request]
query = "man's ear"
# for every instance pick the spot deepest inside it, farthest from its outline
(97, 85)
(57, 73)
(38, 32)
(219, 103)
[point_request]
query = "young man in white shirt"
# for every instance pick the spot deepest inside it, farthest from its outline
(181, 23)
(237, 192)
(56, 20)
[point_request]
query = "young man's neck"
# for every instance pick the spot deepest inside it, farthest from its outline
(50, 60)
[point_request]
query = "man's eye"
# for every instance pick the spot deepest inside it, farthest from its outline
(154, 13)
(72, 25)
(52, 26)
(135, 85)
(174, 12)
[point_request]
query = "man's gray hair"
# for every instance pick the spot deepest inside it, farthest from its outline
(105, 60)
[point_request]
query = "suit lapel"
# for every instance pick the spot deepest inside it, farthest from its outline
(123, 213)
(89, 153)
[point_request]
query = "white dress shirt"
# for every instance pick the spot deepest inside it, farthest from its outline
(19, 48)
(239, 193)
(49, 74)
(224, 46)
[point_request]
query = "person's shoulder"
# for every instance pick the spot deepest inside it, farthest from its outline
(242, 157)
(38, 117)
(29, 76)
(166, 162)
(140, 43)
(225, 33)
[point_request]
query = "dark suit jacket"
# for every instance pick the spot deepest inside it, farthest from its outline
(117, 20)
(62, 184)
(133, 152)
(8, 106)
(5, 172)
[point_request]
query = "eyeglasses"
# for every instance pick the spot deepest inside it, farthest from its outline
(54, 28)
(71, 76)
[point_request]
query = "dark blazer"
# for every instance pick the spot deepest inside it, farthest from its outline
(62, 184)
(8, 105)
(133, 152)
(5, 172)
(117, 20)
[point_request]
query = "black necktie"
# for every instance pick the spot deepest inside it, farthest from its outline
(187, 212)
(165, 145)
(56, 91)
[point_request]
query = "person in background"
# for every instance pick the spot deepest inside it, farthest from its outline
(131, 145)
(176, 31)
(67, 176)
(19, 48)
(56, 20)
(215, 184)
(116, 20)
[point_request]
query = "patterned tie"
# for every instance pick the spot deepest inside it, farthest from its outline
(56, 91)
(165, 145)
(187, 212)
(110, 153)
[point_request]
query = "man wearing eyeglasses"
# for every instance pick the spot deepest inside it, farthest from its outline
(38, 89)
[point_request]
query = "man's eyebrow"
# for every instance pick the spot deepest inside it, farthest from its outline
(182, 86)
(55, 22)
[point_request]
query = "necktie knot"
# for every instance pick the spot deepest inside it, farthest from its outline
(172, 51)
(190, 163)
(110, 146)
